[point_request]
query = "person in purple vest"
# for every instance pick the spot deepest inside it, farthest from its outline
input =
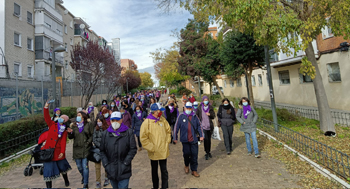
(190, 132)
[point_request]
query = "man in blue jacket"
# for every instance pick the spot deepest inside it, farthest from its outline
(190, 130)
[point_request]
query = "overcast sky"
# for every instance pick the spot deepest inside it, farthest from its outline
(140, 25)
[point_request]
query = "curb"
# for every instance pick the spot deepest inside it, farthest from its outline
(17, 155)
(317, 167)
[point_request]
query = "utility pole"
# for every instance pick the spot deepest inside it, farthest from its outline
(16, 95)
(246, 83)
(272, 95)
(57, 49)
(42, 92)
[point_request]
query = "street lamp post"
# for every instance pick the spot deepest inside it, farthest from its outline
(57, 49)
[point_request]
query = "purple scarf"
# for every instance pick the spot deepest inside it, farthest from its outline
(121, 129)
(108, 120)
(61, 129)
(139, 115)
(150, 116)
(80, 126)
(246, 111)
(117, 103)
(90, 109)
(171, 109)
(206, 111)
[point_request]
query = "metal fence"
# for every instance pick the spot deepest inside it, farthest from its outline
(339, 117)
(19, 143)
(329, 157)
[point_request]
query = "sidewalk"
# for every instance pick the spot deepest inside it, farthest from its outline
(237, 170)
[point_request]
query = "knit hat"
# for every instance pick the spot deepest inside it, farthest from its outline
(54, 111)
(205, 97)
(65, 117)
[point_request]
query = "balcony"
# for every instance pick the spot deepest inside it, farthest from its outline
(54, 35)
(82, 33)
(41, 4)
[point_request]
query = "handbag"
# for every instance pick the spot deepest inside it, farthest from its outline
(46, 155)
(94, 155)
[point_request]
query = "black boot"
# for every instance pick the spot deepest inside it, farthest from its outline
(66, 181)
(49, 184)
(86, 186)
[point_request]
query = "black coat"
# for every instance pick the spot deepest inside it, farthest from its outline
(222, 108)
(117, 153)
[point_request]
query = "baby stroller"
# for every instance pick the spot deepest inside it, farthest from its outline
(37, 164)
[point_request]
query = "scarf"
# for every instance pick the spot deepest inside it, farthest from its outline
(108, 120)
(61, 129)
(171, 109)
(139, 115)
(150, 116)
(205, 108)
(121, 129)
(80, 126)
(117, 103)
(246, 111)
(90, 109)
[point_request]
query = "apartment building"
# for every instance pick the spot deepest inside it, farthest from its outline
(68, 42)
(128, 64)
(17, 39)
(81, 33)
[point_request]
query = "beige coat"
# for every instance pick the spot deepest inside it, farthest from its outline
(155, 138)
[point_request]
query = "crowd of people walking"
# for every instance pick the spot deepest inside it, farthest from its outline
(112, 134)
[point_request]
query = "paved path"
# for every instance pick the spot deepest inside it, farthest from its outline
(222, 171)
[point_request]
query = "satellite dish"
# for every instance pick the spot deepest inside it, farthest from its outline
(66, 11)
(82, 26)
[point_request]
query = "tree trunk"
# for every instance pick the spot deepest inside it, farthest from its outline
(194, 84)
(217, 87)
(250, 87)
(326, 121)
(210, 87)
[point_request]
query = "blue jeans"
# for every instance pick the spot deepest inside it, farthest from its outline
(120, 184)
(255, 142)
(83, 167)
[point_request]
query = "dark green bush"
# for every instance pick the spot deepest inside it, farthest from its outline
(173, 91)
(181, 90)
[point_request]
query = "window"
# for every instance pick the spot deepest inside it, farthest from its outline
(71, 24)
(30, 72)
(284, 77)
(66, 65)
(17, 39)
(260, 79)
(65, 29)
(47, 69)
(225, 83)
(239, 82)
(327, 32)
(29, 17)
(232, 84)
(65, 46)
(29, 44)
(17, 69)
(333, 72)
(17, 10)
(71, 41)
(304, 78)
(253, 81)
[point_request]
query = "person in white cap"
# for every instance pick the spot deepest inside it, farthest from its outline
(195, 107)
(155, 136)
(117, 149)
(190, 132)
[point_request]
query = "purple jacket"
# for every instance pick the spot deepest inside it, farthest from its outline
(127, 119)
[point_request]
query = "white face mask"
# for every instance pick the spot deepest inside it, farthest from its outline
(115, 125)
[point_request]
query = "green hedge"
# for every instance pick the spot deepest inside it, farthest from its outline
(29, 124)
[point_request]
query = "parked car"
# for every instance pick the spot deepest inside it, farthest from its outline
(216, 91)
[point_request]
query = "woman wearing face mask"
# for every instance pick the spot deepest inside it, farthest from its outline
(118, 102)
(171, 113)
(127, 108)
(81, 131)
(56, 134)
(113, 107)
(118, 148)
(105, 103)
(126, 117)
(57, 114)
(195, 107)
(227, 117)
(136, 122)
(206, 115)
(92, 111)
(136, 103)
(107, 116)
(248, 117)
(101, 125)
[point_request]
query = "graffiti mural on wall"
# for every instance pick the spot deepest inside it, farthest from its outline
(29, 103)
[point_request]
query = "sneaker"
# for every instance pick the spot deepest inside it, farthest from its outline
(228, 153)
(206, 156)
(249, 153)
(106, 182)
(257, 156)
(210, 155)
(86, 186)
(98, 185)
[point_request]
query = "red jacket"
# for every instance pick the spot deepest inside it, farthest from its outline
(51, 136)
(192, 99)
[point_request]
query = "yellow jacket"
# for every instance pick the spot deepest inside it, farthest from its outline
(155, 138)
